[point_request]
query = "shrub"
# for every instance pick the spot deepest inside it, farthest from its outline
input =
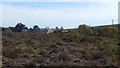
(10, 53)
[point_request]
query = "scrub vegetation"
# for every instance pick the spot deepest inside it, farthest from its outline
(83, 46)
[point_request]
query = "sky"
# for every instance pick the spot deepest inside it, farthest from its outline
(52, 13)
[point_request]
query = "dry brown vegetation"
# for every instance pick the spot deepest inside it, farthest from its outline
(59, 49)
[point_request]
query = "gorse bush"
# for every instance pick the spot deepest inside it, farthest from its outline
(85, 30)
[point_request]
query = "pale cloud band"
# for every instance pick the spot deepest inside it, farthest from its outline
(64, 16)
(68, 17)
(119, 12)
(107, 1)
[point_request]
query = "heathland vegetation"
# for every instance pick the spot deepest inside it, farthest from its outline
(83, 46)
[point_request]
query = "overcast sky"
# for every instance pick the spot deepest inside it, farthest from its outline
(52, 13)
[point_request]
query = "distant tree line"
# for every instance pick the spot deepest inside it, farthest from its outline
(22, 28)
(18, 28)
(82, 29)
